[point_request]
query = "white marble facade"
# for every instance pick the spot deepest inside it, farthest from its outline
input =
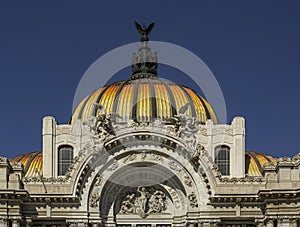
(148, 174)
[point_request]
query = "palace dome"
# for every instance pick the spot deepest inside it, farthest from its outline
(32, 162)
(145, 99)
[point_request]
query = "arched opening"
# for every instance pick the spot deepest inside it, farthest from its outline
(142, 194)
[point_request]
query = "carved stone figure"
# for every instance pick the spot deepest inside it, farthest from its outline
(103, 124)
(184, 126)
(128, 205)
(142, 200)
(145, 203)
(157, 202)
(197, 153)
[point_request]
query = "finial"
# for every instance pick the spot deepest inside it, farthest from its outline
(144, 31)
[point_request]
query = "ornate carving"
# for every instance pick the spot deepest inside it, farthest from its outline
(130, 158)
(175, 197)
(101, 125)
(3, 160)
(113, 166)
(203, 131)
(183, 126)
(62, 179)
(16, 165)
(248, 179)
(284, 160)
(94, 199)
(296, 157)
(155, 157)
(174, 166)
(197, 153)
(222, 131)
(193, 200)
(143, 156)
(99, 181)
(104, 126)
(187, 180)
(144, 204)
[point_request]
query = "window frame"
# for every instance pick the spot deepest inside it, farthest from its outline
(64, 158)
(223, 159)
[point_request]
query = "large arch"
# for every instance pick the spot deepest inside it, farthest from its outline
(183, 185)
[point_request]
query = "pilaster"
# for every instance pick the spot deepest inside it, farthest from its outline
(49, 127)
(237, 155)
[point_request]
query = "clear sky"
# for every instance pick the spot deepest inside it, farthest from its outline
(252, 47)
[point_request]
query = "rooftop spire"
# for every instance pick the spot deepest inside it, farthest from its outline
(144, 61)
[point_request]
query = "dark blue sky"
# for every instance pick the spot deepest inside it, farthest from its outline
(252, 47)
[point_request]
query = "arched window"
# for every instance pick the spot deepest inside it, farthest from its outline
(65, 156)
(222, 159)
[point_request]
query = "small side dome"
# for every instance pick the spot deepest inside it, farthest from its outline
(32, 161)
(144, 100)
(255, 162)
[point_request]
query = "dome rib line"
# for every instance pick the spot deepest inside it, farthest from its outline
(256, 161)
(268, 159)
(30, 161)
(99, 98)
(193, 110)
(205, 107)
(172, 100)
(117, 97)
(83, 106)
(134, 100)
(153, 99)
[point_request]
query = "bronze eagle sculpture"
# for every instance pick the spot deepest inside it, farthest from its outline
(144, 31)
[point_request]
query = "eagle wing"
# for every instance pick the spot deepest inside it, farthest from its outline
(139, 27)
(149, 28)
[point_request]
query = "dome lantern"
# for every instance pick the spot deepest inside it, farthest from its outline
(144, 61)
(144, 97)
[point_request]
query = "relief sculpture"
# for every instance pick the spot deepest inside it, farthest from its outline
(144, 203)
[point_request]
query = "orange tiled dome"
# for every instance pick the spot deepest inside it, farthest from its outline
(145, 99)
(31, 162)
(255, 162)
